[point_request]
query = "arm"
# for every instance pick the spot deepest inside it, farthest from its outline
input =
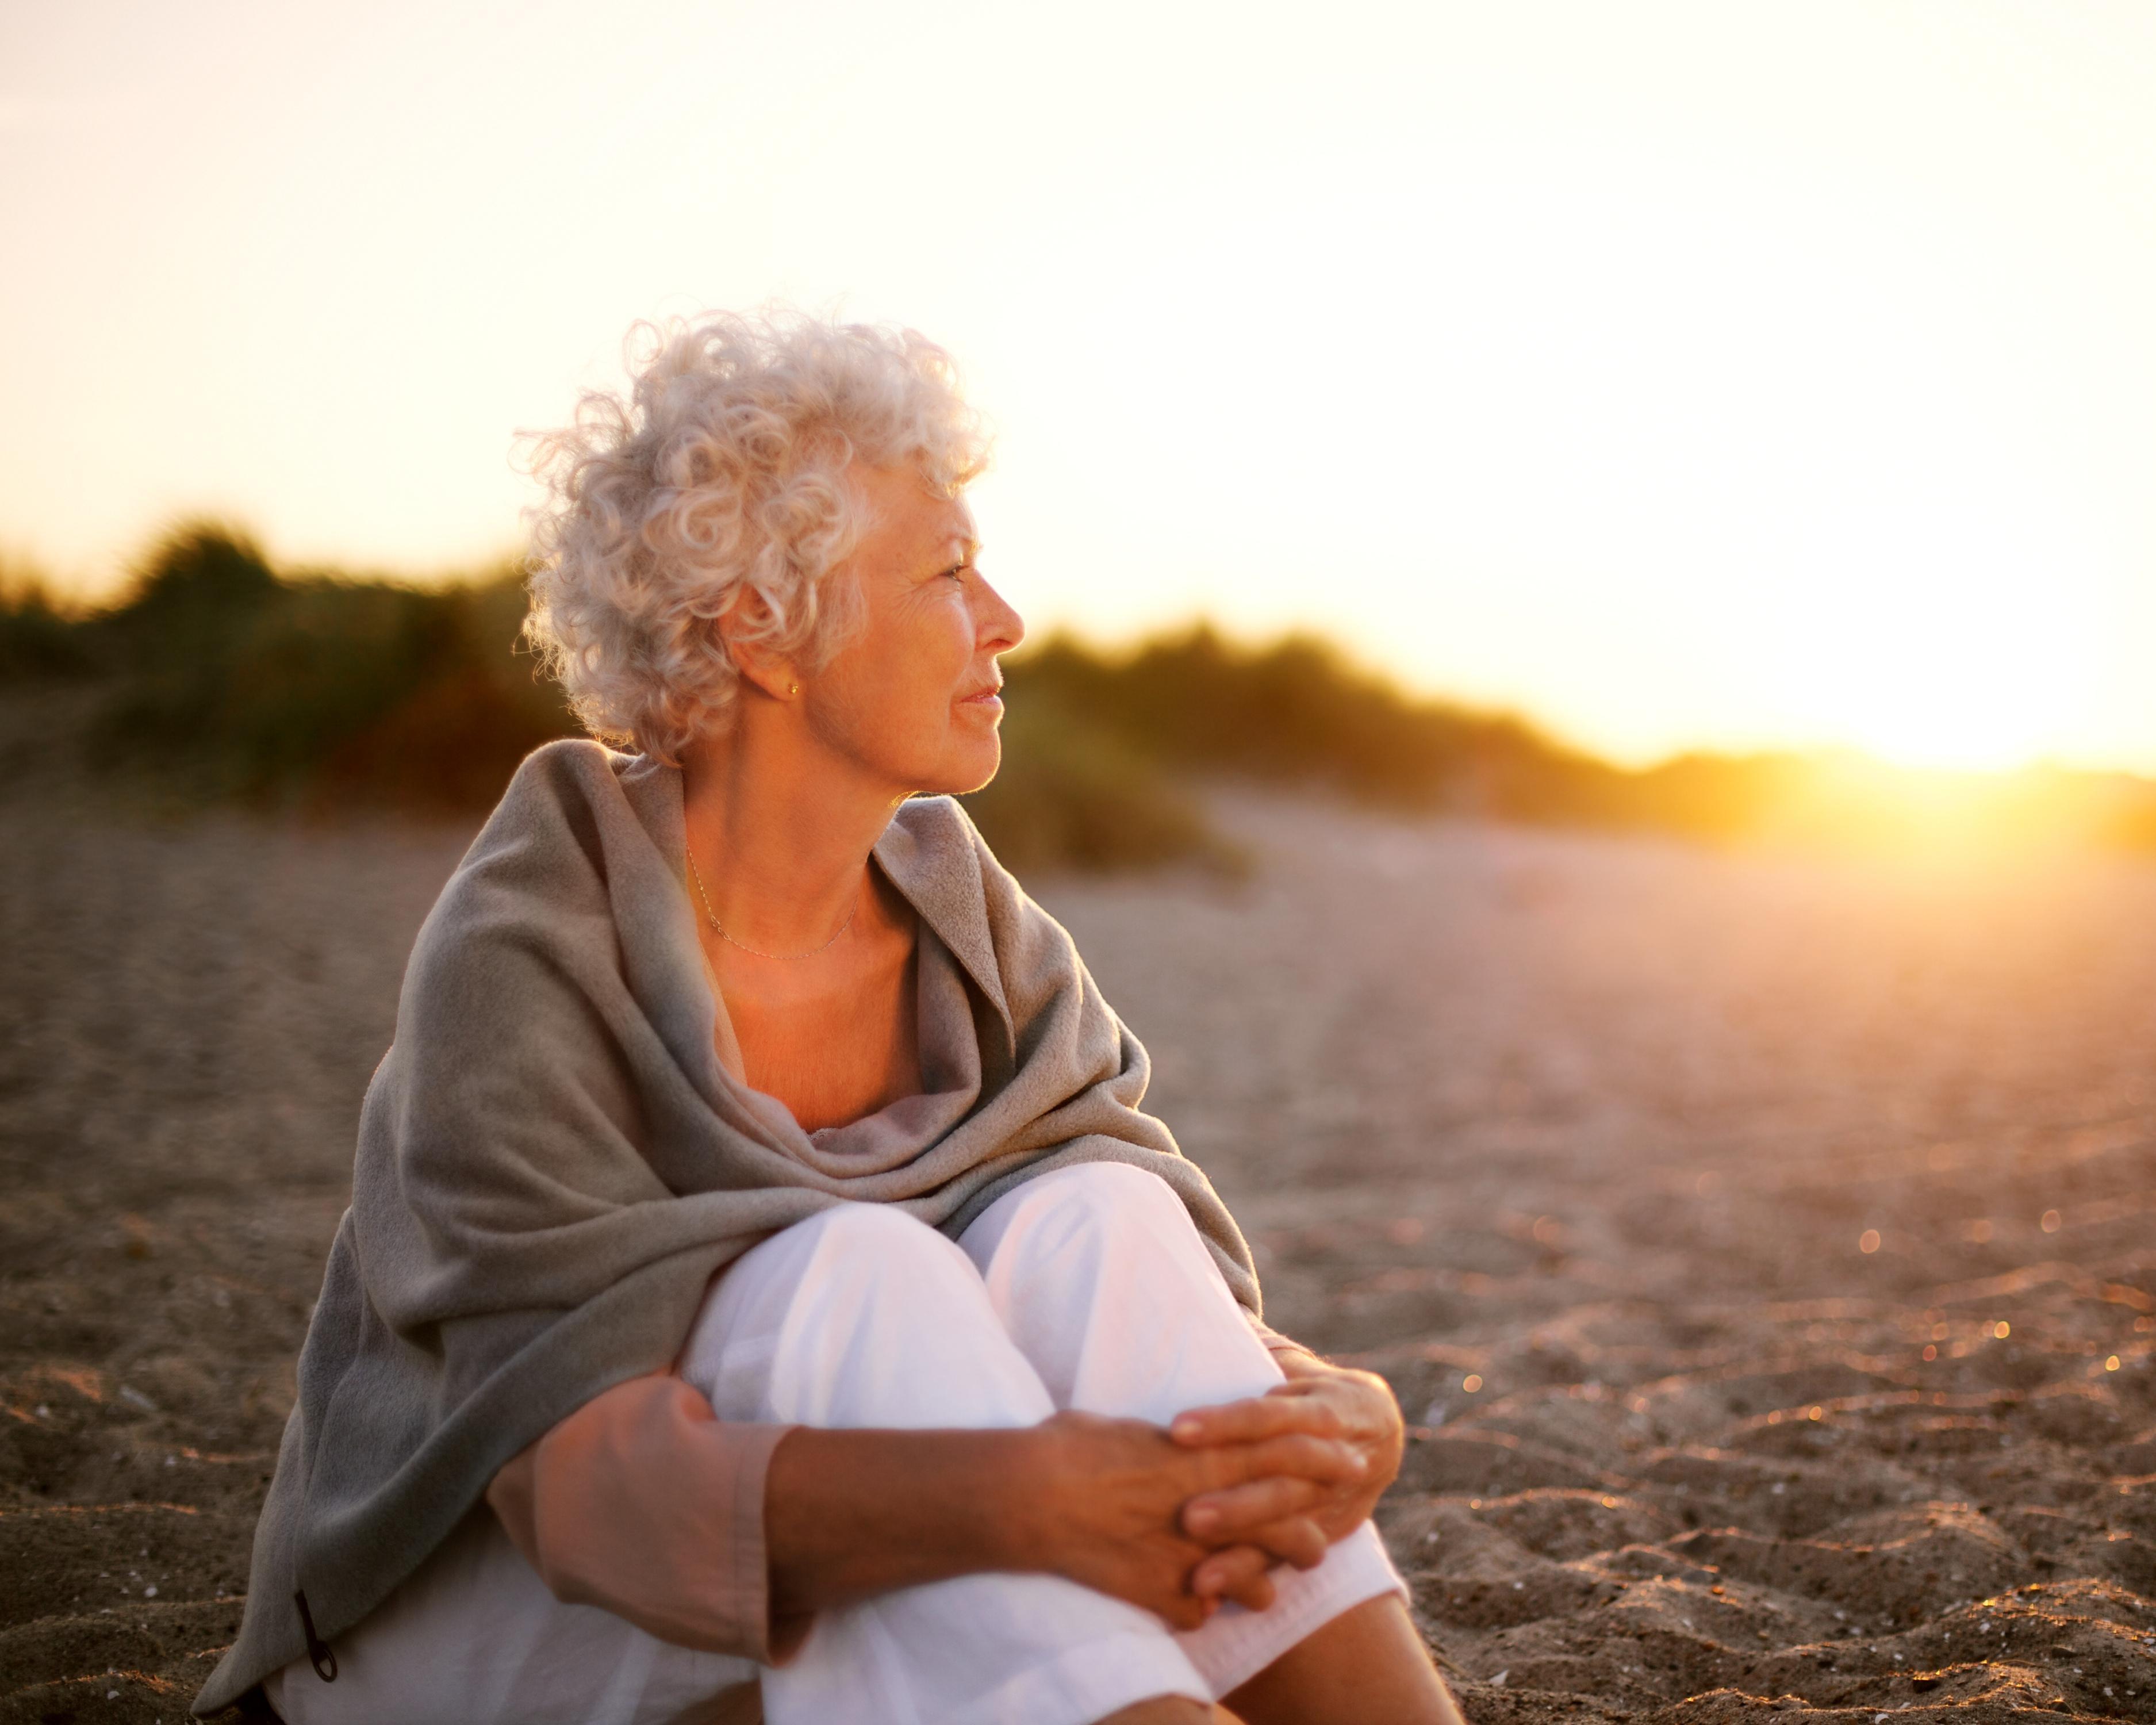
(1096, 1501)
(643, 1502)
(730, 1536)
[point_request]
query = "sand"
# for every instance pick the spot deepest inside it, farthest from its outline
(1580, 1141)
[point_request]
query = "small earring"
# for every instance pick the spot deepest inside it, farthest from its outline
(792, 688)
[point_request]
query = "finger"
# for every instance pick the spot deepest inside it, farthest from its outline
(1237, 1574)
(1324, 1461)
(1361, 1405)
(1224, 1518)
(1296, 1540)
(1186, 1611)
(1256, 1418)
(1301, 1540)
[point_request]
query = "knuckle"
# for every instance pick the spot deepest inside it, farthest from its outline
(1322, 1459)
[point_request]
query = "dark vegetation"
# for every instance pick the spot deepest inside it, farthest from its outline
(217, 677)
(222, 678)
(1297, 713)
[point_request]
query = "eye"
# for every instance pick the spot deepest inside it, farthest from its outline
(959, 572)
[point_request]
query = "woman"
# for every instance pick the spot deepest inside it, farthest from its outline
(761, 1288)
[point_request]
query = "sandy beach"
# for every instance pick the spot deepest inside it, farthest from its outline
(1762, 1247)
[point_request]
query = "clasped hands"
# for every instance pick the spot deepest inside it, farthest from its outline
(1177, 1521)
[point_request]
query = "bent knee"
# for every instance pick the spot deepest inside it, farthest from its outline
(1111, 1204)
(825, 1274)
(848, 1244)
(869, 1227)
(875, 1239)
(1105, 1190)
(1101, 1208)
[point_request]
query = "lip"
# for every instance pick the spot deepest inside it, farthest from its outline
(989, 696)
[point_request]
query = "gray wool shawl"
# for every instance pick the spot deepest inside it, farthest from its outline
(552, 1165)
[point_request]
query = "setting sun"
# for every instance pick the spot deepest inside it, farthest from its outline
(1928, 668)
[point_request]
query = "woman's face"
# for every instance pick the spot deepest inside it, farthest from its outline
(912, 698)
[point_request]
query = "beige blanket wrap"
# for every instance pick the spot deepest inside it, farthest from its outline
(551, 1166)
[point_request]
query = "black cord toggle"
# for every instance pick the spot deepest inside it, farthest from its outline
(320, 1654)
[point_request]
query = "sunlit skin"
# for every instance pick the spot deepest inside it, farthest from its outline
(783, 810)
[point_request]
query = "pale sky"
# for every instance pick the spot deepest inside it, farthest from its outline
(1724, 374)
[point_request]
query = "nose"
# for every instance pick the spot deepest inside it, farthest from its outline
(997, 626)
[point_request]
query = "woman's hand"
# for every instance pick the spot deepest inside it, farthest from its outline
(1109, 1508)
(1292, 1519)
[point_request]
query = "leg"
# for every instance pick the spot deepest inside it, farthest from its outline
(1172, 1710)
(1099, 1277)
(1102, 1280)
(862, 1316)
(1367, 1666)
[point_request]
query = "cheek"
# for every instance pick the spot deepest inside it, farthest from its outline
(902, 678)
(939, 649)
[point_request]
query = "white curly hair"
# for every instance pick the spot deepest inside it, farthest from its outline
(716, 488)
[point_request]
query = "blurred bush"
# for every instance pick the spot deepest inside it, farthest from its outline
(228, 680)
(38, 639)
(1073, 794)
(218, 675)
(1297, 713)
(222, 678)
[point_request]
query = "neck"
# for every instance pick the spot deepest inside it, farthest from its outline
(780, 831)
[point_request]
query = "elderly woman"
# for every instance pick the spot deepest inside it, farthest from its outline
(762, 1291)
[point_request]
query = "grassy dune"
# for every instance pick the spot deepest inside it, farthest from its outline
(219, 677)
(224, 678)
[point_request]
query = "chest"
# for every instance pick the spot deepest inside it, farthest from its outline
(833, 1047)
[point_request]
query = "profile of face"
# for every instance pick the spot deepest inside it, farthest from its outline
(911, 700)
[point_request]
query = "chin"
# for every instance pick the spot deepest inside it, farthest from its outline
(967, 770)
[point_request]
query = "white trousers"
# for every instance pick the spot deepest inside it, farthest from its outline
(1088, 1288)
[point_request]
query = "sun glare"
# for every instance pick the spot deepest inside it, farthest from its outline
(1916, 642)
(1942, 696)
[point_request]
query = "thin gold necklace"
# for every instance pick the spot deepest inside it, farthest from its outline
(720, 928)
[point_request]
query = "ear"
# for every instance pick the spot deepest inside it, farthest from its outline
(762, 667)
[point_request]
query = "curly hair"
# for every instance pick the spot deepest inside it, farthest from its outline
(717, 489)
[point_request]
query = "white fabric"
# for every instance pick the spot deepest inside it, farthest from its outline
(1086, 1288)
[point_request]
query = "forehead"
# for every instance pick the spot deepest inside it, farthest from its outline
(906, 511)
